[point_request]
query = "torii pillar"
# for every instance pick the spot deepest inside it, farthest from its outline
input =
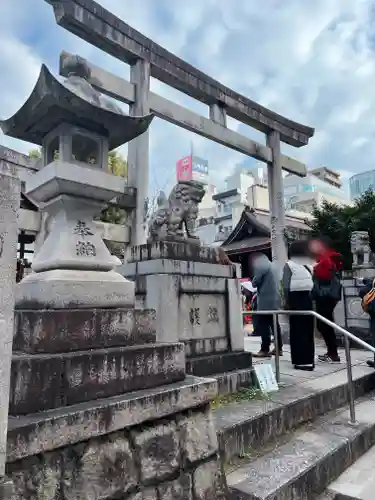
(138, 153)
(276, 201)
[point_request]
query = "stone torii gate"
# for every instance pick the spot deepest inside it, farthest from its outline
(96, 25)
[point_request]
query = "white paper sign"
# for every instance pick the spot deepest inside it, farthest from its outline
(266, 377)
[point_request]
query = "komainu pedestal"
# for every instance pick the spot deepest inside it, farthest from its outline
(197, 302)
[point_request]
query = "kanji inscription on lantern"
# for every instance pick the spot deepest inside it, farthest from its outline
(82, 229)
(1, 244)
(212, 315)
(85, 249)
(194, 316)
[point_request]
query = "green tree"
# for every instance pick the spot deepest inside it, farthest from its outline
(117, 165)
(35, 154)
(339, 222)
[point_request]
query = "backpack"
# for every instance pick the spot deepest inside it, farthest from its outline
(330, 289)
(368, 300)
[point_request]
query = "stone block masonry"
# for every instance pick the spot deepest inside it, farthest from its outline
(10, 187)
(43, 382)
(61, 330)
(171, 458)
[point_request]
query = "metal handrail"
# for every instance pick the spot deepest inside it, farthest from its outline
(347, 335)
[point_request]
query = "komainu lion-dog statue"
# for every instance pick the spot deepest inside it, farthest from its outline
(175, 217)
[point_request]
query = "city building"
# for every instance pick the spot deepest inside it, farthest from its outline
(328, 175)
(360, 183)
(231, 202)
(205, 227)
(219, 212)
(305, 193)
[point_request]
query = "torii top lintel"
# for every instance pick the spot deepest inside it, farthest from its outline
(96, 25)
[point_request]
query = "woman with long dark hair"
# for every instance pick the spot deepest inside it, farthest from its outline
(297, 287)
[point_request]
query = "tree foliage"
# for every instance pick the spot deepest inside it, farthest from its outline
(35, 154)
(338, 223)
(117, 165)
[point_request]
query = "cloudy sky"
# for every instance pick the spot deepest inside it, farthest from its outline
(312, 61)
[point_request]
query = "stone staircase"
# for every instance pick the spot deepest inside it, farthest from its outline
(296, 443)
(356, 483)
(232, 370)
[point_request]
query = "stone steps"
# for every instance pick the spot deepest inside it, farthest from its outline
(223, 362)
(42, 382)
(254, 424)
(232, 382)
(356, 483)
(302, 467)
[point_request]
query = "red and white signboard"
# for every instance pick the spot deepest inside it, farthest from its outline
(192, 168)
(184, 169)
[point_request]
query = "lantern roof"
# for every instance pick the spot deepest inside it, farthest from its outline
(75, 102)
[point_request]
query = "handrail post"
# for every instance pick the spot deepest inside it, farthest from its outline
(277, 347)
(351, 394)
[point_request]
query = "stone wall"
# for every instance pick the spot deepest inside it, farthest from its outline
(174, 458)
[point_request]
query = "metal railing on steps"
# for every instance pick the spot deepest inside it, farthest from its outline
(347, 337)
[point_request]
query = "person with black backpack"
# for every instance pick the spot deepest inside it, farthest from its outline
(326, 293)
(297, 286)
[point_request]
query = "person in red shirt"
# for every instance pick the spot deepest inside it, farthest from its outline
(328, 264)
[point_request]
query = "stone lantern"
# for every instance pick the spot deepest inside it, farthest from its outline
(76, 127)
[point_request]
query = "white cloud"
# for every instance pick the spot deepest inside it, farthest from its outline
(311, 61)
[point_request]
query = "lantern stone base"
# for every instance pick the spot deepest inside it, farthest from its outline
(98, 409)
(64, 289)
(62, 330)
(150, 445)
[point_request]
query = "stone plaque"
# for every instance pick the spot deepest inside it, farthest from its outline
(9, 204)
(202, 316)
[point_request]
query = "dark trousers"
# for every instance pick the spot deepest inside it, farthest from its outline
(264, 327)
(301, 329)
(325, 308)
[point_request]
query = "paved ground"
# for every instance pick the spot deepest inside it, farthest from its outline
(320, 377)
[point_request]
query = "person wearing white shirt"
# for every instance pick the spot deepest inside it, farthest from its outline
(297, 286)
